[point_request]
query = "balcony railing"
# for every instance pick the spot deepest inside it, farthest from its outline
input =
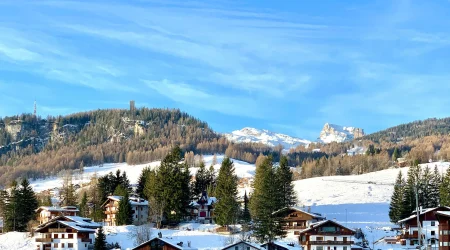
(86, 240)
(294, 227)
(57, 230)
(329, 242)
(44, 240)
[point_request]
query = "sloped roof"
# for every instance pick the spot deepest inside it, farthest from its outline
(284, 245)
(257, 246)
(58, 209)
(211, 200)
(133, 201)
(169, 241)
(76, 222)
(85, 222)
(299, 209)
(320, 223)
(444, 213)
(424, 211)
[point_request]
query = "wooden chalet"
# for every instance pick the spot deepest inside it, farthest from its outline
(160, 243)
(326, 235)
(45, 214)
(66, 232)
(242, 245)
(443, 218)
(429, 224)
(297, 219)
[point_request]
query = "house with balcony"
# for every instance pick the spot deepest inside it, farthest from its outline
(326, 235)
(242, 245)
(203, 209)
(296, 219)
(45, 214)
(443, 218)
(66, 232)
(279, 245)
(429, 225)
(139, 210)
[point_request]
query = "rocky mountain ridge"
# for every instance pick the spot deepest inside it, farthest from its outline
(336, 133)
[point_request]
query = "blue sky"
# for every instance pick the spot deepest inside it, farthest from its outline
(286, 66)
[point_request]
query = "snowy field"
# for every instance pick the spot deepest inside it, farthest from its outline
(358, 201)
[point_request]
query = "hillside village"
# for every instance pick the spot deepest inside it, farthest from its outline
(61, 226)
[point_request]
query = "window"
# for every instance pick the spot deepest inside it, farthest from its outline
(70, 236)
(344, 248)
(63, 236)
(345, 239)
(236, 248)
(56, 236)
(319, 248)
(136, 216)
(62, 245)
(433, 223)
(248, 248)
(445, 244)
(70, 245)
(433, 233)
(319, 238)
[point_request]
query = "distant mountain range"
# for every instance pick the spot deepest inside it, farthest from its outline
(272, 139)
(330, 133)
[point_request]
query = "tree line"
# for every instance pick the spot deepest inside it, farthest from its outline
(430, 187)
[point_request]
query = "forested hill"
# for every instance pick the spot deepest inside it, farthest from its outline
(35, 147)
(412, 130)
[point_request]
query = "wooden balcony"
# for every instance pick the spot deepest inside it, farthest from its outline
(57, 230)
(43, 240)
(329, 242)
(294, 227)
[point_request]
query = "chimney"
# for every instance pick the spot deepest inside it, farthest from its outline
(189, 243)
(160, 235)
(180, 244)
(309, 209)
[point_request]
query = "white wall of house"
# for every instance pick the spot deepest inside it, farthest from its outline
(347, 247)
(63, 241)
(430, 229)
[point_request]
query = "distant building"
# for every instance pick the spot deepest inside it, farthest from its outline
(242, 245)
(139, 209)
(203, 208)
(326, 235)
(66, 232)
(160, 243)
(402, 162)
(45, 214)
(429, 228)
(296, 219)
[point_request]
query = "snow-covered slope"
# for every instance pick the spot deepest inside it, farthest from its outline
(267, 137)
(336, 133)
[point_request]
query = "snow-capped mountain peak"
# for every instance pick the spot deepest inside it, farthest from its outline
(337, 133)
(272, 139)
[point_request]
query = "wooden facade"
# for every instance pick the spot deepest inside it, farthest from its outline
(296, 219)
(326, 235)
(444, 229)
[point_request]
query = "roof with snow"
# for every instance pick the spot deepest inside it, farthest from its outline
(78, 223)
(424, 211)
(282, 244)
(254, 245)
(211, 200)
(299, 209)
(59, 209)
(320, 223)
(172, 242)
(133, 200)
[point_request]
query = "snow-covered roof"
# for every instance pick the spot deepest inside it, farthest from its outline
(257, 246)
(299, 209)
(133, 200)
(424, 211)
(75, 222)
(174, 243)
(211, 200)
(59, 209)
(283, 244)
(77, 227)
(85, 222)
(445, 213)
(320, 223)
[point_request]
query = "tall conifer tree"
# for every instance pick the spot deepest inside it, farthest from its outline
(286, 187)
(397, 203)
(246, 212)
(124, 215)
(226, 191)
(100, 240)
(444, 189)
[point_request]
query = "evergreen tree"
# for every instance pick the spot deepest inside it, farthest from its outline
(4, 201)
(124, 216)
(201, 180)
(425, 188)
(120, 190)
(444, 189)
(409, 199)
(100, 240)
(263, 203)
(226, 191)
(10, 213)
(68, 192)
(395, 154)
(286, 187)
(84, 209)
(141, 182)
(435, 182)
(246, 212)
(396, 212)
(211, 177)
